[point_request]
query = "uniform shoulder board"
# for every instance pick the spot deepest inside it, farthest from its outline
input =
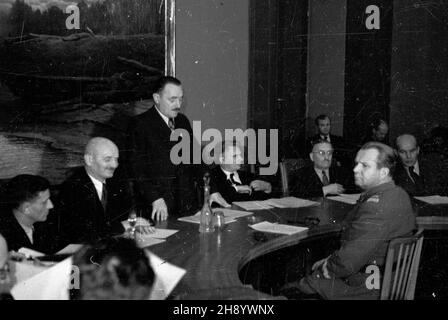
(374, 198)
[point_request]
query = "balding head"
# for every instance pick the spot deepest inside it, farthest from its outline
(408, 149)
(101, 158)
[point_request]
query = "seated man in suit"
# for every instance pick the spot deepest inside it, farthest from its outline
(22, 221)
(419, 176)
(93, 202)
(321, 179)
(383, 212)
(234, 184)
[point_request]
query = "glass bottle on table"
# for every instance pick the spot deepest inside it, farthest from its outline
(132, 219)
(206, 218)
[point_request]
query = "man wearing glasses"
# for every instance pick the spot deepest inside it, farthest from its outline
(321, 179)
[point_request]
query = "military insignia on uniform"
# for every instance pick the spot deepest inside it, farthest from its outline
(374, 198)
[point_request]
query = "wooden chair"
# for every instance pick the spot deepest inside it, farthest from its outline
(401, 267)
(289, 168)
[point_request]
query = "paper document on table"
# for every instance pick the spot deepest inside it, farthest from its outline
(70, 249)
(253, 205)
(145, 240)
(346, 198)
(266, 226)
(433, 199)
(290, 202)
(232, 214)
(229, 215)
(158, 233)
(51, 284)
(167, 276)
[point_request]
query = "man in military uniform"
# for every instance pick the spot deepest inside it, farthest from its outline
(383, 212)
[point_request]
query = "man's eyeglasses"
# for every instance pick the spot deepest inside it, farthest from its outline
(323, 153)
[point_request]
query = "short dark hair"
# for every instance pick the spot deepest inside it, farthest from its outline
(22, 188)
(377, 122)
(321, 117)
(160, 83)
(130, 277)
(387, 157)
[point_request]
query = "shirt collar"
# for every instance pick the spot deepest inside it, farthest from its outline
(228, 173)
(416, 168)
(319, 172)
(97, 184)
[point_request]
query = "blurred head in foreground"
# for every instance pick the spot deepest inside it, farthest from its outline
(113, 269)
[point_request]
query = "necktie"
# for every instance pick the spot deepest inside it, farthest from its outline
(326, 138)
(171, 124)
(104, 197)
(325, 180)
(233, 180)
(414, 175)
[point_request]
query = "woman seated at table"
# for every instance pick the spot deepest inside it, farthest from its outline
(113, 269)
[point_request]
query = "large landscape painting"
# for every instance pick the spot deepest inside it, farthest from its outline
(70, 70)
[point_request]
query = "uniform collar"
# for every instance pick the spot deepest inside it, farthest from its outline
(375, 190)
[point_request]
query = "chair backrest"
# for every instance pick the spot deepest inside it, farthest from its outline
(288, 168)
(401, 267)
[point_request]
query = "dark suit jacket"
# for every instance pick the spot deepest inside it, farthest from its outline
(82, 217)
(433, 178)
(228, 192)
(44, 236)
(307, 183)
(156, 176)
(381, 214)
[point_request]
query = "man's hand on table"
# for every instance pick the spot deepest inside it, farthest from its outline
(217, 197)
(260, 185)
(159, 210)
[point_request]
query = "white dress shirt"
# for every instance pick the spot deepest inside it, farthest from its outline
(319, 174)
(98, 186)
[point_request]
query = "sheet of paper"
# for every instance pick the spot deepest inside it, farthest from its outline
(253, 205)
(433, 199)
(24, 270)
(291, 202)
(266, 226)
(70, 249)
(346, 198)
(231, 214)
(29, 253)
(196, 219)
(167, 276)
(144, 240)
(51, 284)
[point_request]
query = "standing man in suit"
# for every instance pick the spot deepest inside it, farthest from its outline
(419, 176)
(23, 219)
(169, 188)
(234, 184)
(92, 201)
(321, 179)
(323, 127)
(377, 131)
(383, 212)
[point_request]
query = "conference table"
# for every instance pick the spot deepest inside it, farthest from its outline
(241, 263)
